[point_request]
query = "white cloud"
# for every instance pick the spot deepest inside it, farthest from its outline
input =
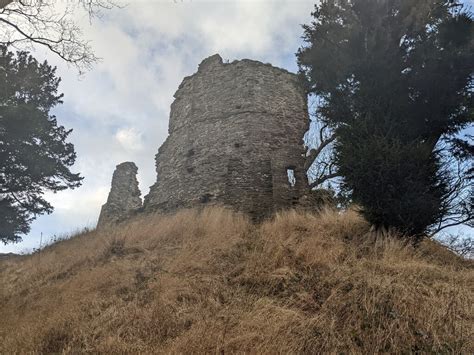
(130, 138)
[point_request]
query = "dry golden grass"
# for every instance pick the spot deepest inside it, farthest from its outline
(212, 282)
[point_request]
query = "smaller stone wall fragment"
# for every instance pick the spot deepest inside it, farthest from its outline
(124, 197)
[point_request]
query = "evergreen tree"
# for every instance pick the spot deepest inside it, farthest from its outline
(395, 79)
(34, 154)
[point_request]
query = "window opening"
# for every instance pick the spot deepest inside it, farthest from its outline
(291, 176)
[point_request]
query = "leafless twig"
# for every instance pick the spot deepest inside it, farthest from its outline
(49, 23)
(320, 158)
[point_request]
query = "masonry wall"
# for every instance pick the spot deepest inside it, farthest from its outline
(235, 129)
(124, 196)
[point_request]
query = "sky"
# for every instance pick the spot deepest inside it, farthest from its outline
(119, 110)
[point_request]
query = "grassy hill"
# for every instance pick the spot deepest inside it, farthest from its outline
(213, 282)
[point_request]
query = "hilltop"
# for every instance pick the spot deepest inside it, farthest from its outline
(211, 281)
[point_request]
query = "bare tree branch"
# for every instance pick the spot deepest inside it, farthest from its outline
(314, 153)
(323, 179)
(458, 204)
(320, 157)
(459, 244)
(47, 23)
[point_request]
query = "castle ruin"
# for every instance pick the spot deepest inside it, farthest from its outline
(235, 138)
(124, 198)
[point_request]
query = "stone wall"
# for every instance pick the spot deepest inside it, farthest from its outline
(124, 197)
(235, 131)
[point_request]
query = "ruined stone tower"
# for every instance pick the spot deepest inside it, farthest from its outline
(124, 197)
(235, 137)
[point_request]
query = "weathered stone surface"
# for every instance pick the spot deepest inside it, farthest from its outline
(124, 197)
(235, 130)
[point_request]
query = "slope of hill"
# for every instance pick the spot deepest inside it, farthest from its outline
(212, 282)
(7, 255)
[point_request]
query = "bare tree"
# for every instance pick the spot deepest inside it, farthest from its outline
(50, 23)
(460, 244)
(319, 160)
(458, 204)
(319, 139)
